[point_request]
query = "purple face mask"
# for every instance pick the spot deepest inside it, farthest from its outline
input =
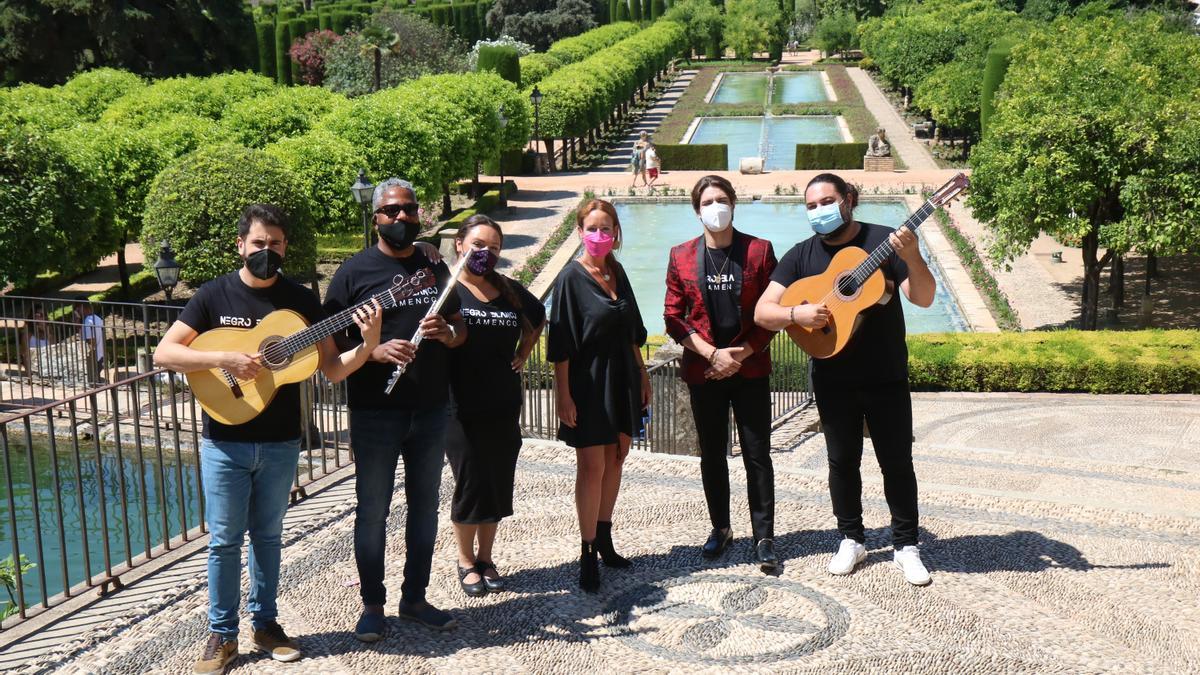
(481, 261)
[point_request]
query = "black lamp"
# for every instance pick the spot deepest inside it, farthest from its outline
(166, 269)
(363, 190)
(535, 97)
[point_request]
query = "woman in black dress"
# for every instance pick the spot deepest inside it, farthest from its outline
(600, 381)
(484, 436)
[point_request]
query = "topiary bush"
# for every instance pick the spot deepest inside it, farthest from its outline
(43, 108)
(178, 135)
(94, 90)
(502, 60)
(830, 155)
(1099, 362)
(688, 157)
(264, 32)
(53, 215)
(207, 97)
(195, 203)
(284, 112)
(325, 166)
(535, 67)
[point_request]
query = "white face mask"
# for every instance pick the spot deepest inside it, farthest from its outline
(716, 216)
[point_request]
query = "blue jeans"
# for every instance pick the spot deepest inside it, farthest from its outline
(246, 487)
(379, 439)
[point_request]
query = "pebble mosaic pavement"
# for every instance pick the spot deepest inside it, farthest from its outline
(1061, 531)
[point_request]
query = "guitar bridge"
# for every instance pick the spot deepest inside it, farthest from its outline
(233, 384)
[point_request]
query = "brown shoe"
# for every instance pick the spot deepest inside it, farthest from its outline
(219, 652)
(272, 640)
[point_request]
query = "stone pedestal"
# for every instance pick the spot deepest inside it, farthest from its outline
(751, 165)
(878, 163)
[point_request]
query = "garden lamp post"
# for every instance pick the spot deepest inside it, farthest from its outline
(535, 98)
(166, 269)
(363, 191)
(503, 123)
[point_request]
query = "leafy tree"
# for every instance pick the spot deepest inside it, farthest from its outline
(421, 48)
(836, 33)
(46, 41)
(93, 91)
(1088, 142)
(290, 111)
(541, 22)
(195, 203)
(124, 161)
(325, 166)
(180, 134)
(206, 96)
(54, 214)
(701, 20)
(310, 52)
(752, 26)
(44, 108)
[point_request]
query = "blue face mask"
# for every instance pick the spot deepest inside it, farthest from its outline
(826, 218)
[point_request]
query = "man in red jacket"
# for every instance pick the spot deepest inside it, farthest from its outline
(713, 283)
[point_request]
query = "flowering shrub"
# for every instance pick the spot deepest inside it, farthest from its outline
(310, 53)
(522, 48)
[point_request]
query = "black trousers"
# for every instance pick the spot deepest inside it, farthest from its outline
(751, 401)
(887, 409)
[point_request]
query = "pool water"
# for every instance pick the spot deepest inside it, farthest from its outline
(773, 138)
(749, 88)
(650, 230)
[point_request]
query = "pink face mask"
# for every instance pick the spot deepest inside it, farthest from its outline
(598, 243)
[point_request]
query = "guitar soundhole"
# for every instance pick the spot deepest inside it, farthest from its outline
(274, 357)
(847, 287)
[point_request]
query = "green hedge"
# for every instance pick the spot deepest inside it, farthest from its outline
(1098, 362)
(830, 156)
(501, 59)
(687, 157)
(517, 162)
(265, 31)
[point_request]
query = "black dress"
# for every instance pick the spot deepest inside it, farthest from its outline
(597, 335)
(483, 437)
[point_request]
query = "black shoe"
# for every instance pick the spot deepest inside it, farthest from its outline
(718, 541)
(604, 546)
(589, 568)
(475, 590)
(427, 615)
(764, 552)
(493, 585)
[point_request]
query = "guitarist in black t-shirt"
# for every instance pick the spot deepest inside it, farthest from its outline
(866, 380)
(247, 469)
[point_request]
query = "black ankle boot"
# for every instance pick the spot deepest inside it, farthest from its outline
(604, 546)
(589, 568)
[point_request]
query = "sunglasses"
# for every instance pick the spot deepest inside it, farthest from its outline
(393, 210)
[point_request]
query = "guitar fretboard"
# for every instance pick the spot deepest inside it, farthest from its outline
(867, 267)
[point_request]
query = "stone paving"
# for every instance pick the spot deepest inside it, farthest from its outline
(1061, 532)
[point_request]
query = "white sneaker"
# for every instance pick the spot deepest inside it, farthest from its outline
(849, 554)
(908, 559)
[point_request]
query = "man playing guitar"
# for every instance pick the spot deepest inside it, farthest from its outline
(866, 380)
(247, 469)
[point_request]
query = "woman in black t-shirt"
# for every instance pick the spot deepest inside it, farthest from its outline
(484, 436)
(595, 336)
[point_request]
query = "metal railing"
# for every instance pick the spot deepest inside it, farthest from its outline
(109, 479)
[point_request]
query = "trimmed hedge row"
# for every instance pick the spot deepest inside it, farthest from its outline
(830, 156)
(467, 19)
(581, 95)
(1098, 362)
(535, 67)
(688, 157)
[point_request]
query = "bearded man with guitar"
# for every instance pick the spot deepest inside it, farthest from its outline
(247, 468)
(861, 369)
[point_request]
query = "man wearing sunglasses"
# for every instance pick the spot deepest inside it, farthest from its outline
(410, 422)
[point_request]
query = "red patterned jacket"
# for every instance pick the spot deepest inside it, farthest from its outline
(685, 311)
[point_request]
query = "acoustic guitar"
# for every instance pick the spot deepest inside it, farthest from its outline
(852, 283)
(288, 349)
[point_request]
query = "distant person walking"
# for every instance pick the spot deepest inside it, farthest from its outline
(637, 159)
(653, 163)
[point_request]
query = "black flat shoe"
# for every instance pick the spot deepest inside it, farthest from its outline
(717, 542)
(764, 552)
(475, 590)
(493, 585)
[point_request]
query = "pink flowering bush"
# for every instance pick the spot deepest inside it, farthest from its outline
(310, 52)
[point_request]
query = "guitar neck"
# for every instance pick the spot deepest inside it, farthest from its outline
(303, 339)
(881, 253)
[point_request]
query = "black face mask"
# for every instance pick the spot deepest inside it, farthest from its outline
(399, 234)
(264, 264)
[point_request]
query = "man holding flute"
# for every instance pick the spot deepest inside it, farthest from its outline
(407, 423)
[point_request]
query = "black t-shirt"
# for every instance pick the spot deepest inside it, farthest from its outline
(481, 374)
(227, 302)
(876, 352)
(369, 272)
(723, 293)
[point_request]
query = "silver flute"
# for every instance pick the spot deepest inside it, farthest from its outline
(433, 309)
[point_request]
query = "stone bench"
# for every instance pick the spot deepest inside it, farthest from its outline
(879, 163)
